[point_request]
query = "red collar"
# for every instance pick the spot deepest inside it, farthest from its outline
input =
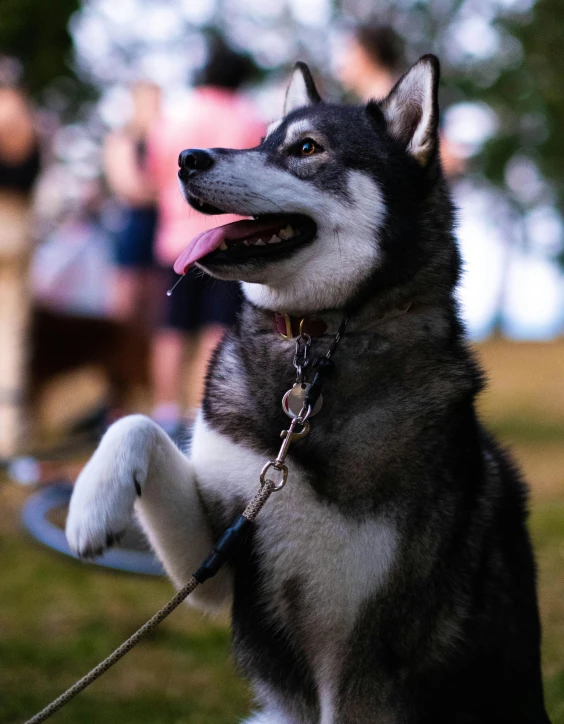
(287, 326)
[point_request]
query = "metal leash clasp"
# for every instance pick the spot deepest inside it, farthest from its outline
(301, 360)
(288, 437)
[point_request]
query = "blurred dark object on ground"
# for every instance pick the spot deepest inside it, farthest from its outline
(62, 342)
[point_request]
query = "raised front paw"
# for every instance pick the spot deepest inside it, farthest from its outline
(104, 493)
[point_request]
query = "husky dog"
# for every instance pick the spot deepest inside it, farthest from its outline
(392, 580)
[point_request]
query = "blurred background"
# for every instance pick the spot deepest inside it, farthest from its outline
(96, 100)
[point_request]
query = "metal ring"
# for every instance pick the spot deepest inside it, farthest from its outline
(304, 335)
(301, 418)
(281, 468)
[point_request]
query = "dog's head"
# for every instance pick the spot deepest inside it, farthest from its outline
(337, 195)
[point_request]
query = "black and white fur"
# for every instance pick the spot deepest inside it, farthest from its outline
(392, 580)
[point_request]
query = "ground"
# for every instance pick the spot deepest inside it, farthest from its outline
(58, 617)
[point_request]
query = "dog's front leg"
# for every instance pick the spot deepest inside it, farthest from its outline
(136, 466)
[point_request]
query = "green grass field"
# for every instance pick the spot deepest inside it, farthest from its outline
(58, 617)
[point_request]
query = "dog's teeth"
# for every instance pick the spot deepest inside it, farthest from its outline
(200, 202)
(246, 242)
(287, 233)
(223, 246)
(260, 242)
(274, 239)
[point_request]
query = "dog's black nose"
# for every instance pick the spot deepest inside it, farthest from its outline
(195, 159)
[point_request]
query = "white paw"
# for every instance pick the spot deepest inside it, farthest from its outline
(105, 491)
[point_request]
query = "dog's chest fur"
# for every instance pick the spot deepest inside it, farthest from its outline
(381, 578)
(316, 566)
(326, 546)
(314, 570)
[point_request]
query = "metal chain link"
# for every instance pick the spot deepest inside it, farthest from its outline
(301, 358)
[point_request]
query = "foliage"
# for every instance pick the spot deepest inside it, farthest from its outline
(529, 100)
(505, 55)
(35, 31)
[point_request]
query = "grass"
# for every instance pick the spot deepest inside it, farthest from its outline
(58, 617)
(547, 527)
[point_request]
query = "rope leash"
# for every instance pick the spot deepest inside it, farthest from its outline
(250, 513)
(113, 658)
(232, 536)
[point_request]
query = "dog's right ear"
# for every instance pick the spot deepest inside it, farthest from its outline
(411, 109)
(301, 89)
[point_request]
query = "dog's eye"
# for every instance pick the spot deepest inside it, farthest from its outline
(309, 147)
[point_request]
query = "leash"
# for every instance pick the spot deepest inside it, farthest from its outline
(300, 403)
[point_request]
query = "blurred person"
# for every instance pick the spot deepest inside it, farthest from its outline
(200, 309)
(71, 275)
(19, 167)
(125, 159)
(70, 270)
(371, 61)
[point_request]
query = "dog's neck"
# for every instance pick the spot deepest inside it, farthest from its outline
(364, 319)
(394, 311)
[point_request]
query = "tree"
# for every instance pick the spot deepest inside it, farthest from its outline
(36, 32)
(529, 103)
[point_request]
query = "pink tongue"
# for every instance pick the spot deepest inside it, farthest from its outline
(210, 240)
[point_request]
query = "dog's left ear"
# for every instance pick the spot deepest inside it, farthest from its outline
(301, 89)
(411, 109)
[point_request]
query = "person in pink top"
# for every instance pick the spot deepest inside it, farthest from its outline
(215, 118)
(201, 308)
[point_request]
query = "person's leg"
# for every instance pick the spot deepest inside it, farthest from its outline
(220, 302)
(200, 308)
(135, 266)
(167, 356)
(14, 324)
(207, 341)
(127, 289)
(15, 312)
(152, 298)
(172, 339)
